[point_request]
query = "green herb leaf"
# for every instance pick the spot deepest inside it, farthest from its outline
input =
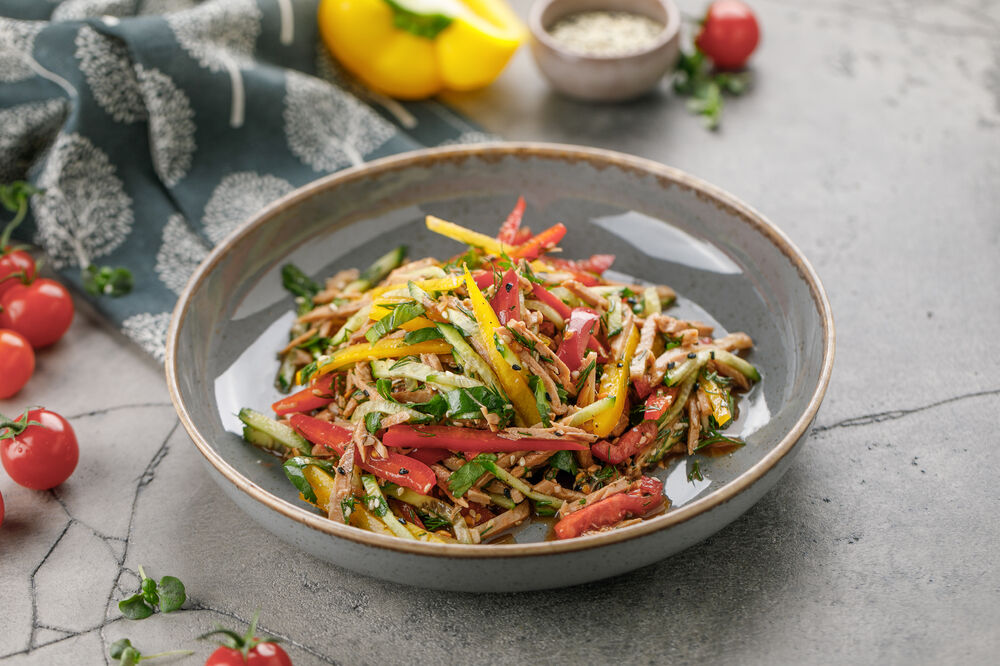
(565, 461)
(373, 422)
(148, 590)
(172, 594)
(294, 471)
(695, 472)
(465, 476)
(118, 647)
(401, 313)
(297, 282)
(384, 388)
(422, 335)
(521, 340)
(135, 607)
(107, 281)
(433, 522)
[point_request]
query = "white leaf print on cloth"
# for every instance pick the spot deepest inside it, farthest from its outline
(221, 35)
(147, 7)
(72, 10)
(106, 64)
(330, 71)
(25, 131)
(181, 252)
(85, 212)
(149, 331)
(471, 137)
(328, 128)
(17, 41)
(171, 124)
(236, 198)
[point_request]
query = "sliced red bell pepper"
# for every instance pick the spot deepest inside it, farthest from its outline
(658, 403)
(540, 243)
(470, 439)
(507, 301)
(576, 336)
(402, 470)
(510, 227)
(595, 346)
(306, 400)
(597, 263)
(484, 279)
(429, 456)
(523, 236)
(645, 497)
(625, 446)
(550, 299)
(563, 266)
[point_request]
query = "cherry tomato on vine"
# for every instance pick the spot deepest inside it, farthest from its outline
(17, 362)
(39, 449)
(263, 654)
(16, 268)
(41, 311)
(729, 34)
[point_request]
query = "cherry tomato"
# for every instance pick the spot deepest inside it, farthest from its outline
(13, 263)
(17, 362)
(263, 654)
(729, 34)
(38, 456)
(41, 311)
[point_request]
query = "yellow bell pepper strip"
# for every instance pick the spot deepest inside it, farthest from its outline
(615, 382)
(717, 399)
(450, 283)
(514, 382)
(385, 348)
(467, 236)
(411, 325)
(413, 49)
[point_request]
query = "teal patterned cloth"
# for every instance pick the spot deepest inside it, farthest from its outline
(156, 127)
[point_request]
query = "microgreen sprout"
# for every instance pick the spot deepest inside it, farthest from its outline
(168, 594)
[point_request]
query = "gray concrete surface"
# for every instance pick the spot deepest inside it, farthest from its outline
(872, 137)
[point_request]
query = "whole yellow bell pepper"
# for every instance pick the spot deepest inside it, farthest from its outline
(412, 49)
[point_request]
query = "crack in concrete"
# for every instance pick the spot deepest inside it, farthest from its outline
(118, 408)
(894, 414)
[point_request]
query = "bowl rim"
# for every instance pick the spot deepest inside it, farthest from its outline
(670, 32)
(551, 151)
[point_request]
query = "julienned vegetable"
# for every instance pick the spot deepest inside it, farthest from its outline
(448, 402)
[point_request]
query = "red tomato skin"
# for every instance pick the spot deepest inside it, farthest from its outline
(15, 262)
(41, 311)
(264, 654)
(729, 34)
(17, 362)
(42, 456)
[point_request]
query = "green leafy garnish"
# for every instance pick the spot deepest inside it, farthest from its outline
(298, 283)
(422, 335)
(126, 654)
(582, 379)
(107, 280)
(400, 314)
(696, 79)
(466, 403)
(373, 422)
(565, 461)
(465, 476)
(433, 522)
(168, 594)
(694, 474)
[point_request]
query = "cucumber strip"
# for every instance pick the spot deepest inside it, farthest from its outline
(501, 501)
(433, 505)
(614, 317)
(421, 372)
(506, 477)
(279, 432)
(651, 304)
(464, 322)
(378, 270)
(547, 311)
(262, 439)
(737, 363)
(470, 360)
(588, 412)
(376, 503)
(385, 407)
(507, 353)
(682, 398)
(284, 380)
(352, 324)
(679, 373)
(565, 295)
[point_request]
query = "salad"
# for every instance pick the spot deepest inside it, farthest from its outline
(453, 401)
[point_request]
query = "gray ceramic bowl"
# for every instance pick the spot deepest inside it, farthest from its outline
(662, 224)
(604, 78)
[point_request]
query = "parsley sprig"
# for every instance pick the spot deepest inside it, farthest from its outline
(695, 78)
